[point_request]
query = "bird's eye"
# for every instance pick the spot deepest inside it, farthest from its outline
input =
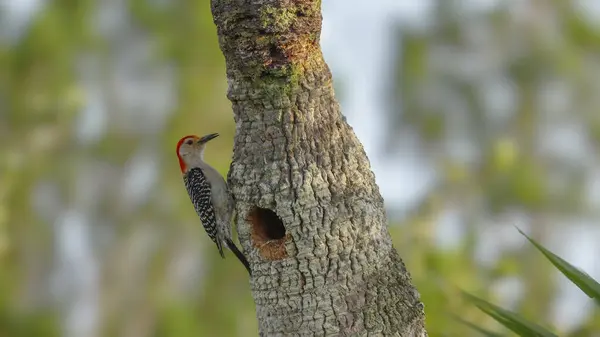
(189, 142)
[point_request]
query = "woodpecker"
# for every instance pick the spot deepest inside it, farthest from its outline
(208, 192)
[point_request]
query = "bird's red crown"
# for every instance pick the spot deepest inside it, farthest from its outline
(182, 164)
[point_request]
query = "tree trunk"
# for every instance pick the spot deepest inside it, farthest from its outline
(310, 217)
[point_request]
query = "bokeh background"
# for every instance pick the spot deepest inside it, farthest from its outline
(477, 116)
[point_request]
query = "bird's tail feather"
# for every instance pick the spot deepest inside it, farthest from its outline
(220, 247)
(238, 254)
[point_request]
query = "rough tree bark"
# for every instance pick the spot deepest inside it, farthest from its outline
(310, 216)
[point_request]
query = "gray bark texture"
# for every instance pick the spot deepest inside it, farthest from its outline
(310, 216)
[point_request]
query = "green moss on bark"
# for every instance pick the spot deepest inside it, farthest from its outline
(276, 18)
(282, 81)
(272, 46)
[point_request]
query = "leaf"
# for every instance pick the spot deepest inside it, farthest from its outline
(581, 279)
(475, 327)
(509, 319)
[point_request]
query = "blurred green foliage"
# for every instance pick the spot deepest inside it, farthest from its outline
(520, 325)
(494, 160)
(41, 98)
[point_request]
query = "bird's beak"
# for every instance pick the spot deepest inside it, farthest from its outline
(208, 137)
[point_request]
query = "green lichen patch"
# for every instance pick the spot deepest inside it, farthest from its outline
(308, 8)
(277, 19)
(273, 47)
(285, 61)
(279, 81)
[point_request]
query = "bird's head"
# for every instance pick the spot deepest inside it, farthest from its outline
(190, 150)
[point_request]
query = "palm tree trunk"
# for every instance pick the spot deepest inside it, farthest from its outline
(310, 217)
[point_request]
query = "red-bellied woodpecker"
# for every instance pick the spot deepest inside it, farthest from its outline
(208, 192)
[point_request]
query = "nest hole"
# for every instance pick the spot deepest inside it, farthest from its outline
(268, 233)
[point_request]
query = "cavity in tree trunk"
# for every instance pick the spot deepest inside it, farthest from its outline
(310, 217)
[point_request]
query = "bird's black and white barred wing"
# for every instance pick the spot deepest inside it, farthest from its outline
(199, 191)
